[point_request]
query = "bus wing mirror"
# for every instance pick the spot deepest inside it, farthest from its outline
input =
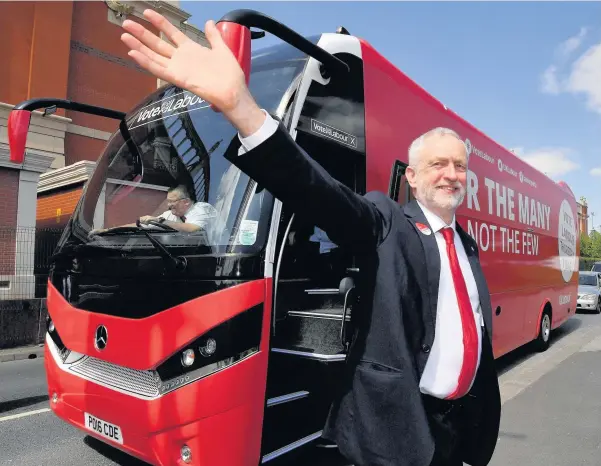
(20, 118)
(18, 127)
(237, 38)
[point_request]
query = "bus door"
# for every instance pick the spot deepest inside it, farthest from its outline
(311, 323)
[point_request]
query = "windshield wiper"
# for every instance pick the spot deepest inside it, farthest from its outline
(179, 263)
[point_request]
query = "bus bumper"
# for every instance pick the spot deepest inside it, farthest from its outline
(163, 430)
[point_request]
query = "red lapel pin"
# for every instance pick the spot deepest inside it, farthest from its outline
(423, 228)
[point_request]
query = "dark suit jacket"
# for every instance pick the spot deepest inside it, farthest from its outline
(379, 417)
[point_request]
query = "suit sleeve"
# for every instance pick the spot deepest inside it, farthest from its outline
(284, 169)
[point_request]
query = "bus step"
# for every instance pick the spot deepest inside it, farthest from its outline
(286, 423)
(291, 447)
(288, 398)
(313, 332)
(290, 374)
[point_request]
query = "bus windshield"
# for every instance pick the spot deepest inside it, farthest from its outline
(175, 140)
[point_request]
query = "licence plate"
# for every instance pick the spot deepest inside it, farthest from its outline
(103, 428)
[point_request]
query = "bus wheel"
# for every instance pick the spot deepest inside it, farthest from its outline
(544, 332)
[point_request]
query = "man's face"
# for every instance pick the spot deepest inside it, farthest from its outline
(177, 204)
(440, 177)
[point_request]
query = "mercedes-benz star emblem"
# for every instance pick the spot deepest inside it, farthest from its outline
(101, 337)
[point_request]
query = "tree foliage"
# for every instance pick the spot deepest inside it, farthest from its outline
(590, 249)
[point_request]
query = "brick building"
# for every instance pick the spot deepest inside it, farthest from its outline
(68, 50)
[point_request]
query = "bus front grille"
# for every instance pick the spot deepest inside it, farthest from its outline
(144, 384)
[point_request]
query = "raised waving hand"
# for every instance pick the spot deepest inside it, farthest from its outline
(212, 74)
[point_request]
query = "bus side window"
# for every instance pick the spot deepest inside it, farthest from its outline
(399, 189)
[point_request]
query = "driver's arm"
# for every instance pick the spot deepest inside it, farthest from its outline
(179, 226)
(198, 218)
(183, 227)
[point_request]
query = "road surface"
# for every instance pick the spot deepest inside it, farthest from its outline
(551, 410)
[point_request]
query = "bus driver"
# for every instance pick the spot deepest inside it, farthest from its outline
(182, 214)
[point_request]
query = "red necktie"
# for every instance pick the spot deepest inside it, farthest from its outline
(470, 337)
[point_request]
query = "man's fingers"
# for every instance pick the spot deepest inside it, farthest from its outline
(213, 35)
(147, 38)
(150, 65)
(162, 24)
(135, 44)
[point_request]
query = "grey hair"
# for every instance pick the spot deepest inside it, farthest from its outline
(182, 190)
(417, 144)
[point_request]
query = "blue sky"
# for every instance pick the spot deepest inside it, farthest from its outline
(527, 74)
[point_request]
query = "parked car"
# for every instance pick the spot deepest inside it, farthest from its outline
(589, 291)
(596, 267)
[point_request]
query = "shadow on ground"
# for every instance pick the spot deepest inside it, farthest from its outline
(22, 403)
(513, 359)
(112, 453)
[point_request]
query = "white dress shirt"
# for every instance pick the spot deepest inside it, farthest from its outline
(269, 127)
(445, 360)
(446, 356)
(200, 214)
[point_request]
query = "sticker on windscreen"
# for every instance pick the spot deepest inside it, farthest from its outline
(248, 232)
(183, 102)
(333, 133)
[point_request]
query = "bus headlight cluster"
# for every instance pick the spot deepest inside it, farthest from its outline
(213, 350)
(207, 348)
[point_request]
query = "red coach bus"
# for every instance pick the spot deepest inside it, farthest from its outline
(223, 346)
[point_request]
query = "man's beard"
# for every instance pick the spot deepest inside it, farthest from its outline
(439, 198)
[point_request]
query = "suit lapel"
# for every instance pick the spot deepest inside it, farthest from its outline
(478, 277)
(428, 241)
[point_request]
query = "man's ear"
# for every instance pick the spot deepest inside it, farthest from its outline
(410, 174)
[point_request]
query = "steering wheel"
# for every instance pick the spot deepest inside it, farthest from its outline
(158, 224)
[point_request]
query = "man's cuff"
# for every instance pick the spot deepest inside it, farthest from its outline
(266, 130)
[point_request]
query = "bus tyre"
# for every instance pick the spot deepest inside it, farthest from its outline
(544, 332)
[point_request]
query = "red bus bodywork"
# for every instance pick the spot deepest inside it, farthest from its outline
(229, 404)
(523, 277)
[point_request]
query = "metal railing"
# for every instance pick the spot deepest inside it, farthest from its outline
(25, 254)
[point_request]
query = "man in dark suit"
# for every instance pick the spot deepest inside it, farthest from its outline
(421, 387)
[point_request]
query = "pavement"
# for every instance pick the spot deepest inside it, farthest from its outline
(557, 420)
(24, 352)
(551, 410)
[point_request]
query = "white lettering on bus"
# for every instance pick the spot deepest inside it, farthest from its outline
(167, 106)
(472, 191)
(471, 149)
(519, 237)
(533, 212)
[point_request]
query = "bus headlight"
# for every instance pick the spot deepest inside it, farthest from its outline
(188, 358)
(186, 454)
(209, 347)
(55, 337)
